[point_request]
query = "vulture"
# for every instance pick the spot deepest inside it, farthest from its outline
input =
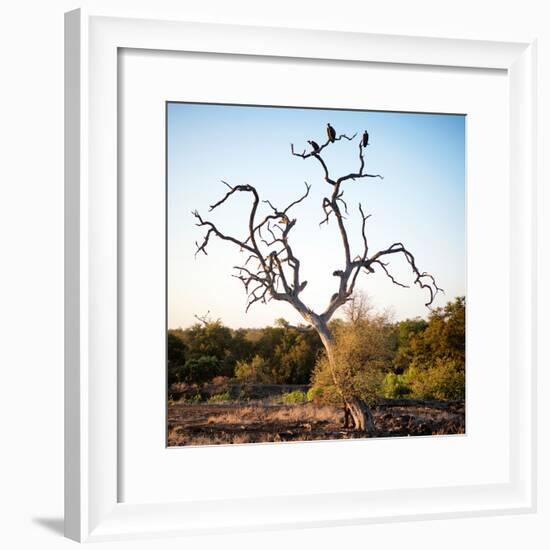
(365, 138)
(314, 145)
(331, 132)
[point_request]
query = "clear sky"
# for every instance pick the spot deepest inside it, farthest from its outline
(420, 202)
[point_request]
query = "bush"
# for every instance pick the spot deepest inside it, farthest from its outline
(315, 394)
(288, 353)
(176, 358)
(445, 380)
(395, 386)
(294, 398)
(220, 398)
(442, 339)
(362, 354)
(254, 371)
(198, 371)
(194, 399)
(323, 389)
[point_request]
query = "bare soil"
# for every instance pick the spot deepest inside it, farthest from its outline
(262, 421)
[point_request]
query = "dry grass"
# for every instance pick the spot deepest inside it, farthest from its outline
(253, 414)
(233, 423)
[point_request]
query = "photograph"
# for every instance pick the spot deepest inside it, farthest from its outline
(315, 274)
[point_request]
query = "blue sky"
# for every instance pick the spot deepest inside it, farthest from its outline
(420, 202)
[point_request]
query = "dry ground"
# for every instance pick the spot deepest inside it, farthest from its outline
(260, 421)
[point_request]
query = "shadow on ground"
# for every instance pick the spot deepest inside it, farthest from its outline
(54, 525)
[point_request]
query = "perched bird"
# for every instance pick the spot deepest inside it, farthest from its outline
(284, 219)
(314, 145)
(365, 138)
(331, 133)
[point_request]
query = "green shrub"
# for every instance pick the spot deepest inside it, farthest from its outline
(294, 397)
(445, 380)
(194, 399)
(395, 386)
(315, 394)
(220, 398)
(254, 371)
(361, 355)
(198, 371)
(323, 389)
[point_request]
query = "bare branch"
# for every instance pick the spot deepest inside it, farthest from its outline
(364, 219)
(321, 147)
(229, 193)
(205, 319)
(360, 173)
(391, 277)
(424, 280)
(327, 209)
(278, 214)
(214, 230)
(270, 281)
(339, 198)
(316, 154)
(297, 201)
(331, 206)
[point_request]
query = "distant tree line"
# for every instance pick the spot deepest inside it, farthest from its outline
(374, 356)
(279, 354)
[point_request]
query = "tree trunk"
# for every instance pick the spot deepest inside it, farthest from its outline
(355, 408)
(362, 415)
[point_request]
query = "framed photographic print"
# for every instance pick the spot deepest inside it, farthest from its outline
(280, 260)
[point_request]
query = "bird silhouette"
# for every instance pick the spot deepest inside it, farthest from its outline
(331, 133)
(365, 138)
(314, 145)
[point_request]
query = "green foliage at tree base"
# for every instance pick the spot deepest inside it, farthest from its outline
(362, 352)
(375, 358)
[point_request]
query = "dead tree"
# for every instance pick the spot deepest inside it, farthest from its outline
(204, 319)
(271, 270)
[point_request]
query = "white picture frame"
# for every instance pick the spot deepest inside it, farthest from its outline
(92, 510)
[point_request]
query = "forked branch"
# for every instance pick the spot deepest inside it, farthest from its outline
(274, 272)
